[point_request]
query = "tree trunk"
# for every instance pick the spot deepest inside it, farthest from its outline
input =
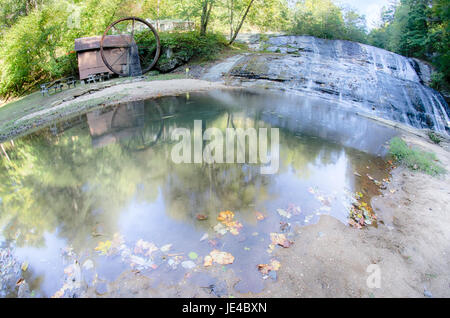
(206, 12)
(231, 18)
(241, 23)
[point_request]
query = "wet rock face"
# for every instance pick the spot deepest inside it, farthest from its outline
(375, 80)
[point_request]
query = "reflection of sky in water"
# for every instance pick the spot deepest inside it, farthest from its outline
(161, 208)
(329, 178)
(46, 262)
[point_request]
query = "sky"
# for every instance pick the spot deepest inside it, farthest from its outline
(370, 8)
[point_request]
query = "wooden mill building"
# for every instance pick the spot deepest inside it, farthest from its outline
(118, 50)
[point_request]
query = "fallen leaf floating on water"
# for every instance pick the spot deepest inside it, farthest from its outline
(226, 217)
(324, 200)
(103, 247)
(378, 183)
(208, 261)
(141, 263)
(266, 268)
(72, 281)
(280, 239)
(285, 227)
(20, 281)
(353, 223)
(222, 258)
(221, 229)
(204, 237)
(24, 266)
(361, 214)
(294, 209)
(166, 248)
(227, 223)
(193, 255)
(144, 247)
(212, 242)
(110, 247)
(235, 230)
(259, 216)
(284, 213)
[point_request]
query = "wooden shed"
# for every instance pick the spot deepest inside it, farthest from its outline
(117, 49)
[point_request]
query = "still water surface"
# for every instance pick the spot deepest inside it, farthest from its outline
(89, 198)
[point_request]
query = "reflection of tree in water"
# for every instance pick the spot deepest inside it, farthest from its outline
(64, 182)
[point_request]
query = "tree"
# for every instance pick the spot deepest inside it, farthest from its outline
(322, 18)
(238, 28)
(418, 28)
(11, 10)
(206, 13)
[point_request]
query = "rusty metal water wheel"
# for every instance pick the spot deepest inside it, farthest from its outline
(137, 34)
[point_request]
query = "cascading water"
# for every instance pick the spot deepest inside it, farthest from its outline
(372, 79)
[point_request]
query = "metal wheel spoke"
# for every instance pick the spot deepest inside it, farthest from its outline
(125, 51)
(132, 33)
(145, 50)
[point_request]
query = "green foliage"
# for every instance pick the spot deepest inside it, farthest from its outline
(190, 44)
(183, 47)
(415, 159)
(434, 137)
(12, 10)
(39, 47)
(418, 28)
(30, 53)
(322, 18)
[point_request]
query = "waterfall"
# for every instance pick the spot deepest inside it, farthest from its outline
(352, 74)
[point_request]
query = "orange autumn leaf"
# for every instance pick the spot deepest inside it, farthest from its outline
(259, 216)
(226, 217)
(219, 257)
(280, 239)
(208, 261)
(201, 217)
(266, 268)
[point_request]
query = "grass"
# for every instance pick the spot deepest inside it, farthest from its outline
(415, 159)
(34, 102)
(165, 77)
(434, 137)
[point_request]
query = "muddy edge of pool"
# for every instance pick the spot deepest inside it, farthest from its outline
(412, 248)
(93, 97)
